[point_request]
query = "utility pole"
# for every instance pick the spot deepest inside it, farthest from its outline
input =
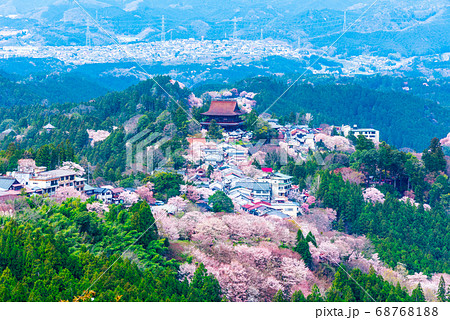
(163, 32)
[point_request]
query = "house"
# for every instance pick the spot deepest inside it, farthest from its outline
(10, 184)
(258, 190)
(226, 113)
(263, 209)
(103, 194)
(215, 186)
(213, 159)
(236, 154)
(240, 198)
(88, 190)
(9, 195)
(289, 208)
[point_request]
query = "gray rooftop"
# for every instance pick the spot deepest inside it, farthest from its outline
(255, 186)
(6, 182)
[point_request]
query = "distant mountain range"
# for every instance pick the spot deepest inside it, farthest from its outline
(408, 27)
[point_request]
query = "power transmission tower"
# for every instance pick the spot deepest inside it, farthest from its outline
(234, 28)
(262, 38)
(345, 21)
(163, 32)
(88, 36)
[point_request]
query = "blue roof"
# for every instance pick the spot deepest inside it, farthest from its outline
(7, 182)
(256, 186)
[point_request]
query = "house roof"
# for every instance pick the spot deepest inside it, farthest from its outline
(282, 176)
(49, 126)
(277, 213)
(255, 186)
(88, 187)
(223, 108)
(55, 174)
(7, 182)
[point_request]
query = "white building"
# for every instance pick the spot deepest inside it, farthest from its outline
(287, 207)
(370, 134)
(281, 184)
(49, 181)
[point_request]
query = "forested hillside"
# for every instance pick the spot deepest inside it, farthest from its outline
(155, 107)
(46, 89)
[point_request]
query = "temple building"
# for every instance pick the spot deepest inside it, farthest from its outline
(226, 113)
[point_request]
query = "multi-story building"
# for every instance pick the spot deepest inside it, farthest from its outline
(281, 184)
(49, 181)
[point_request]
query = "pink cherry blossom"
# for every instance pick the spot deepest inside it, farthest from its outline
(373, 195)
(351, 175)
(146, 193)
(335, 142)
(66, 192)
(128, 197)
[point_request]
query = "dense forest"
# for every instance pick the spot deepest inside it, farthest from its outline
(60, 252)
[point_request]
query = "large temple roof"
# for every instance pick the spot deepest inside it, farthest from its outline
(223, 108)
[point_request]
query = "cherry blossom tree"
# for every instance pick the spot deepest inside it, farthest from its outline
(191, 192)
(68, 165)
(304, 207)
(97, 135)
(168, 226)
(129, 197)
(410, 194)
(210, 231)
(338, 143)
(189, 221)
(146, 193)
(373, 195)
(178, 203)
(63, 193)
(97, 207)
(446, 141)
(186, 271)
(311, 200)
(193, 101)
(348, 174)
(7, 210)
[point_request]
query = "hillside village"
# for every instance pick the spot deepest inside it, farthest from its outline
(234, 165)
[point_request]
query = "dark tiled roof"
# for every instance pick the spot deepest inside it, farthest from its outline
(223, 108)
